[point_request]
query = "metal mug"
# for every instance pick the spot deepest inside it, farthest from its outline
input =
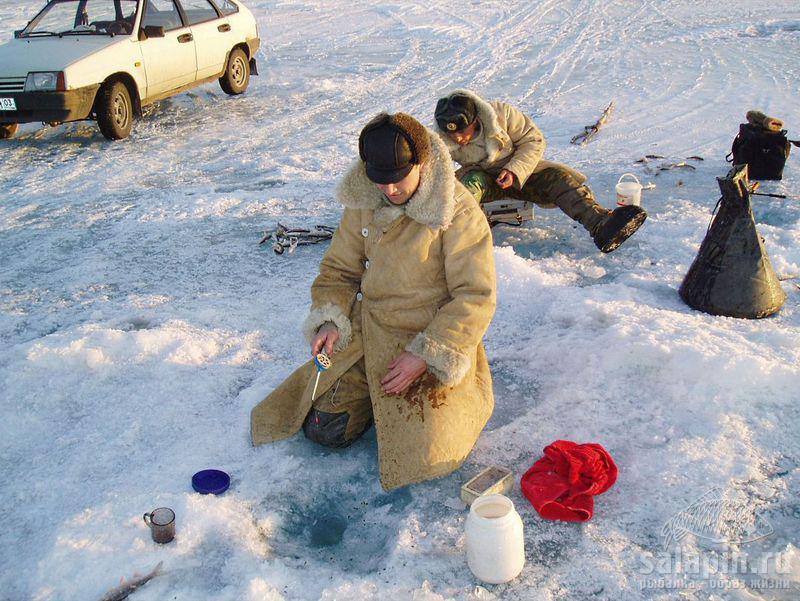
(161, 522)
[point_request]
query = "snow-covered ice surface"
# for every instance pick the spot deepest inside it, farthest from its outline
(140, 321)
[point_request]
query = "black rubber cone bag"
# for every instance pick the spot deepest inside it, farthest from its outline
(732, 274)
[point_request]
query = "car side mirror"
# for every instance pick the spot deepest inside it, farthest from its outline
(18, 33)
(151, 31)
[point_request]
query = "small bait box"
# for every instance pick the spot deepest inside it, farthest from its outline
(492, 480)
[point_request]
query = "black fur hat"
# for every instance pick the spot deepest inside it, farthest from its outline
(455, 113)
(390, 146)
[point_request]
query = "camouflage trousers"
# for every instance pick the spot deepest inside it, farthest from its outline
(548, 188)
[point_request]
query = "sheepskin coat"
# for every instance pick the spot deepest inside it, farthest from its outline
(511, 140)
(418, 277)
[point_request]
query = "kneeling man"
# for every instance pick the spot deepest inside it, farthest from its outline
(401, 303)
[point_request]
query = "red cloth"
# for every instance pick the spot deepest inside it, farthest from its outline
(561, 485)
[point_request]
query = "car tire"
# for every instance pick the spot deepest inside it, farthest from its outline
(114, 110)
(237, 73)
(8, 130)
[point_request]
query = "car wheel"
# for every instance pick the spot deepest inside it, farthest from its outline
(7, 130)
(114, 110)
(237, 74)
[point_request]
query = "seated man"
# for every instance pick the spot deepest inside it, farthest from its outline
(403, 298)
(500, 152)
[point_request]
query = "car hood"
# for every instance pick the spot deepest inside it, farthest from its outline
(21, 55)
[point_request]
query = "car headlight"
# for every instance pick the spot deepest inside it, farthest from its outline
(45, 81)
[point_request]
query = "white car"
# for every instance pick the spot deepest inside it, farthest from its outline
(106, 59)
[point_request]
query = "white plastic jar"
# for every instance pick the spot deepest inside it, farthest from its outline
(495, 543)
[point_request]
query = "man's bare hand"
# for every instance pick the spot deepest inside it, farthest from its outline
(402, 372)
(327, 336)
(505, 179)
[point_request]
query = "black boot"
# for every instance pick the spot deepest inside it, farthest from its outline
(618, 227)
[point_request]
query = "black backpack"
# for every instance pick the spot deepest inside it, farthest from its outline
(765, 152)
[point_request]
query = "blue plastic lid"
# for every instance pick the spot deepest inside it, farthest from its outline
(211, 482)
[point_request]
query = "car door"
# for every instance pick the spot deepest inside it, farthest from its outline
(211, 32)
(169, 62)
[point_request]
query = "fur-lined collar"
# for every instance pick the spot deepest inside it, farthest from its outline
(432, 205)
(496, 137)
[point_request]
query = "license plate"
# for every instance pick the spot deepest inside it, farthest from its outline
(7, 104)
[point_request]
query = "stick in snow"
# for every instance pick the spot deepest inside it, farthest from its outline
(590, 131)
(124, 590)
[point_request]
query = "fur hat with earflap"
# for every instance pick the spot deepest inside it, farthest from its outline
(390, 146)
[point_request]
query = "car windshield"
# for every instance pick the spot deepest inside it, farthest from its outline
(84, 17)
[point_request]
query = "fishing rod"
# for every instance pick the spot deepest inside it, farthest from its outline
(770, 195)
(757, 185)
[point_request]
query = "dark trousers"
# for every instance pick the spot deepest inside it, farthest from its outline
(344, 412)
(548, 188)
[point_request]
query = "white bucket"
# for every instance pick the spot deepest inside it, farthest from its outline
(629, 193)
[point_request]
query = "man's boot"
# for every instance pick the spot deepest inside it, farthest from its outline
(608, 229)
(618, 227)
